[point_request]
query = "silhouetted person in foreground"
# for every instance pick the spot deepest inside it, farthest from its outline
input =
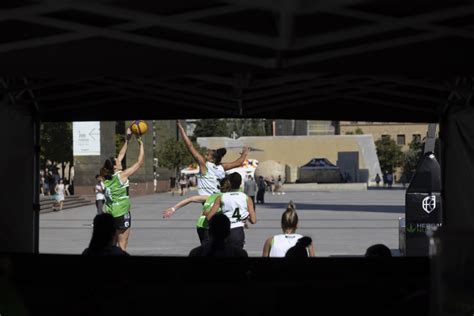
(218, 244)
(104, 238)
(378, 250)
(11, 303)
(300, 250)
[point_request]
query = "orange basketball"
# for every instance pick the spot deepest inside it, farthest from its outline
(139, 127)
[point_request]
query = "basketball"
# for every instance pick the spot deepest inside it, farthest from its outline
(139, 127)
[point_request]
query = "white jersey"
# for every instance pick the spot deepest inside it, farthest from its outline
(281, 243)
(98, 194)
(209, 183)
(234, 206)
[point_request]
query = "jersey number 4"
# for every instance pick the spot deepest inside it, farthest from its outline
(236, 213)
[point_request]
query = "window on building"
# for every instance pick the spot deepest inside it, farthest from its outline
(401, 139)
(384, 136)
(416, 137)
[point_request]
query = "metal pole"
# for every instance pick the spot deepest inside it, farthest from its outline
(36, 180)
(430, 138)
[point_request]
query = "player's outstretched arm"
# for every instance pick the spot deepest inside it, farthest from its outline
(133, 168)
(124, 148)
(193, 199)
(252, 214)
(238, 162)
(217, 204)
(189, 144)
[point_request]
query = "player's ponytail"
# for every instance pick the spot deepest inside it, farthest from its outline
(218, 154)
(107, 171)
(289, 219)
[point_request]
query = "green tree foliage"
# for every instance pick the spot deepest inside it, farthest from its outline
(411, 158)
(120, 135)
(247, 127)
(225, 127)
(211, 128)
(56, 142)
(358, 131)
(174, 155)
(389, 153)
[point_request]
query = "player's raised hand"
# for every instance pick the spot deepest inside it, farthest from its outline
(168, 212)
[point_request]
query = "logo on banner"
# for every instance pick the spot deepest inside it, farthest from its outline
(429, 203)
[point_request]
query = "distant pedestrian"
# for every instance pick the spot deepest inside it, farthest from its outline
(279, 186)
(262, 187)
(272, 185)
(377, 179)
(42, 180)
(183, 184)
(99, 191)
(389, 179)
(250, 188)
(59, 196)
(172, 185)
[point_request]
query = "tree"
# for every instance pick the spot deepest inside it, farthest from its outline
(56, 143)
(247, 127)
(389, 153)
(174, 155)
(211, 128)
(225, 127)
(358, 131)
(411, 158)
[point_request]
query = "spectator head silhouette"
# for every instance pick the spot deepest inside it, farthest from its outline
(378, 250)
(104, 233)
(300, 250)
(219, 227)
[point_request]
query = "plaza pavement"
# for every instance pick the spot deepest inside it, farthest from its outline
(341, 223)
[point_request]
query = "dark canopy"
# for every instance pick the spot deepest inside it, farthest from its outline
(332, 59)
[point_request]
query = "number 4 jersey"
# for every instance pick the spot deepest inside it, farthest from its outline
(234, 206)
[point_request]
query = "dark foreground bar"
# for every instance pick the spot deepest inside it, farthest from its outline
(75, 285)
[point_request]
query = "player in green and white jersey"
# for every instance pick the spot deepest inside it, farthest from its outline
(116, 184)
(238, 207)
(202, 225)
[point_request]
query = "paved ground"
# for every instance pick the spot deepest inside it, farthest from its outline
(340, 223)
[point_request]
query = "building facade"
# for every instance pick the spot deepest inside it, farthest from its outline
(402, 133)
